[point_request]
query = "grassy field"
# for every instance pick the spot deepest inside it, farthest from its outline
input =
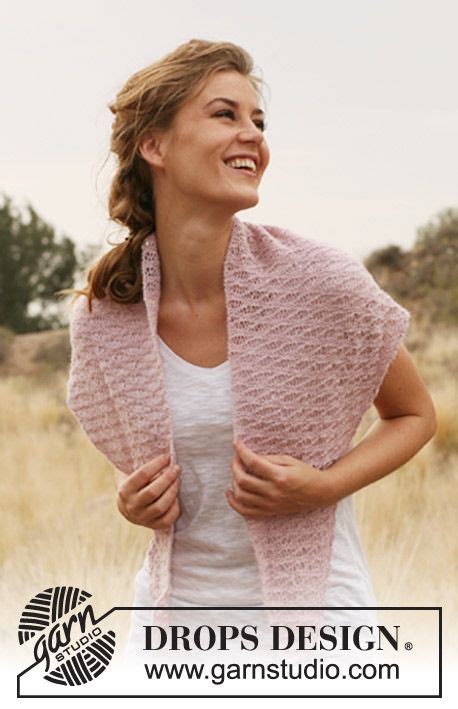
(61, 525)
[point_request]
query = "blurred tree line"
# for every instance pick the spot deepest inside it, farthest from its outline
(424, 279)
(35, 264)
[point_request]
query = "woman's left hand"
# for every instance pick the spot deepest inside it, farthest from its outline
(267, 485)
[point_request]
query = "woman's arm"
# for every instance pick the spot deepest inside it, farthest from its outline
(266, 485)
(407, 421)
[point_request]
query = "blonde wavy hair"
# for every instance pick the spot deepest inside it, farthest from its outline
(150, 99)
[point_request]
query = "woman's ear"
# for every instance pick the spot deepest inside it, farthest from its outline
(151, 149)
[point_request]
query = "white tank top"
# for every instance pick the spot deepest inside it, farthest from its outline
(213, 561)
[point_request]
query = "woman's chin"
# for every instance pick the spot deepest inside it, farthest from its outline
(247, 200)
(236, 201)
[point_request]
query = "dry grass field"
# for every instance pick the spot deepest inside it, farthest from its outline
(60, 524)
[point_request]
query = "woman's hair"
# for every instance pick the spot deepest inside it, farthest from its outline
(149, 100)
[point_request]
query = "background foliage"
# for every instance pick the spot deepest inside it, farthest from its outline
(34, 265)
(424, 279)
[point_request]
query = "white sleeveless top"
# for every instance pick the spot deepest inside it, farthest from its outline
(213, 562)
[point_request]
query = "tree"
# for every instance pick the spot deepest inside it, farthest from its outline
(391, 257)
(34, 264)
(425, 279)
(434, 265)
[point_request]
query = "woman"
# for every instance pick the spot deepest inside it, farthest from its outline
(223, 367)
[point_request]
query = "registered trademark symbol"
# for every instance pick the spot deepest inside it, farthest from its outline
(408, 646)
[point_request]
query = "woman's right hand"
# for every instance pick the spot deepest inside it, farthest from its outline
(149, 496)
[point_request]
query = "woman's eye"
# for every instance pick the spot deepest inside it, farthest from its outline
(227, 112)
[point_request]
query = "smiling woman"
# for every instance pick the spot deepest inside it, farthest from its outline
(223, 367)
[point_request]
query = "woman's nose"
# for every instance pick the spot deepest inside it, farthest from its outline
(251, 134)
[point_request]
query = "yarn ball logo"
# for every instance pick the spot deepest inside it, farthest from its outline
(66, 636)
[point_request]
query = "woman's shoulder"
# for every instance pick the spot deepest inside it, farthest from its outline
(89, 318)
(302, 242)
(84, 313)
(325, 262)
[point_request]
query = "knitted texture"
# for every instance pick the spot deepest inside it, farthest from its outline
(310, 338)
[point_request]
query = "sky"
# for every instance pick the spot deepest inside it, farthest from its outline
(362, 108)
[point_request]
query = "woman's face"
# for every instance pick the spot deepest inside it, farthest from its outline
(189, 160)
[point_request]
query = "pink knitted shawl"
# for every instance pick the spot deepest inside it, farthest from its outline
(310, 338)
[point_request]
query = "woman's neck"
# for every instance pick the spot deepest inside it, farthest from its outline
(192, 250)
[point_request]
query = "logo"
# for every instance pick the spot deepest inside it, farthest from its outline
(66, 636)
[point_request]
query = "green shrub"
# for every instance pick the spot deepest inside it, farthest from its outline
(6, 340)
(54, 354)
